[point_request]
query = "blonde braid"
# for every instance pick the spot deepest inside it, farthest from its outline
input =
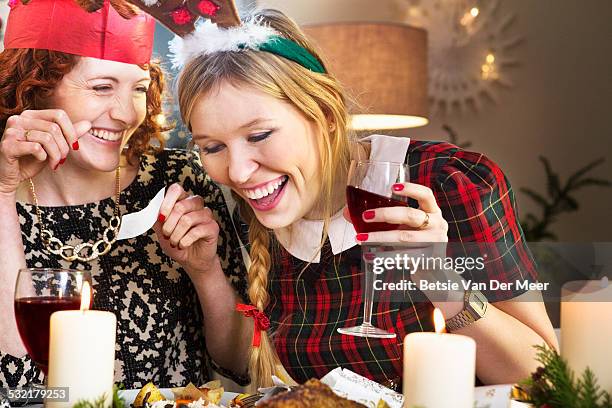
(263, 360)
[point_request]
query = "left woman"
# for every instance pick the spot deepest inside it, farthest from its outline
(79, 99)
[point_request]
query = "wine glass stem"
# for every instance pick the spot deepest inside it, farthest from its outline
(368, 293)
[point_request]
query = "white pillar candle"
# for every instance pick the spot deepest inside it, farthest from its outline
(586, 329)
(82, 355)
(439, 370)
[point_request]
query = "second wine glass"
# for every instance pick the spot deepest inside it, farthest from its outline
(40, 292)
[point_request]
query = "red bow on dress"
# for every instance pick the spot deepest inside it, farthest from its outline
(261, 320)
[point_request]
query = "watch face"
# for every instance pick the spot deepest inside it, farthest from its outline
(478, 302)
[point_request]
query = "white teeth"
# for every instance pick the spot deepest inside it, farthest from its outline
(255, 194)
(106, 135)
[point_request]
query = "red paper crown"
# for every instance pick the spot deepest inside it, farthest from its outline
(61, 25)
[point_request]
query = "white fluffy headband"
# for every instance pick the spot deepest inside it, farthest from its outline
(252, 34)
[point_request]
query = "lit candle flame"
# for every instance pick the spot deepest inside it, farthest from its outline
(85, 296)
(474, 11)
(439, 321)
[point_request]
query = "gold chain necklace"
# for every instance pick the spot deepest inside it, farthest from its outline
(84, 252)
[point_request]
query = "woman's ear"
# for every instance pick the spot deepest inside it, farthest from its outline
(331, 122)
(331, 125)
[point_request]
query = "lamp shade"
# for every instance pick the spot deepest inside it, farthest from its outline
(383, 67)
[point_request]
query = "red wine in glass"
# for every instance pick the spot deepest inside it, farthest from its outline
(370, 186)
(33, 315)
(359, 200)
(39, 292)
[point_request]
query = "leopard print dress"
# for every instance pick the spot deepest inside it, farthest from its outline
(159, 320)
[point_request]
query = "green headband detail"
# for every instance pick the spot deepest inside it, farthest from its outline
(292, 51)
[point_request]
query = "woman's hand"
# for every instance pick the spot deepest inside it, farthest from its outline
(34, 139)
(417, 225)
(422, 232)
(187, 231)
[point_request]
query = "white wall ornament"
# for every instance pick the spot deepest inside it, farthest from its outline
(471, 48)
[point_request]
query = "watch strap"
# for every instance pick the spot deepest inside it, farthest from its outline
(470, 313)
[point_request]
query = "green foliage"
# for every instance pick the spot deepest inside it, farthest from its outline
(453, 137)
(559, 199)
(553, 385)
(99, 403)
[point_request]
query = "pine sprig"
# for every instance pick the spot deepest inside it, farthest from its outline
(553, 385)
(118, 402)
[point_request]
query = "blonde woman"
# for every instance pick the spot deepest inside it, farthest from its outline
(271, 124)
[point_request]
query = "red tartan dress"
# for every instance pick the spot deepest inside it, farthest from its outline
(309, 301)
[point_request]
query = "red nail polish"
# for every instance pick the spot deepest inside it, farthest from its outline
(369, 256)
(62, 161)
(75, 145)
(56, 166)
(398, 187)
(369, 214)
(361, 237)
(161, 217)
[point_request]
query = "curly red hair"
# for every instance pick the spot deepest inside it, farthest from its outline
(28, 76)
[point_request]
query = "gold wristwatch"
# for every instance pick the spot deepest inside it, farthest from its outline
(474, 307)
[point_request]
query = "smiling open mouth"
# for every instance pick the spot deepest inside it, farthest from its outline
(266, 198)
(107, 135)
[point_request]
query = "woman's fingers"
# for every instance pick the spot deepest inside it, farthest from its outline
(208, 231)
(22, 149)
(174, 193)
(193, 216)
(424, 195)
(184, 214)
(401, 236)
(70, 131)
(48, 143)
(53, 129)
(411, 217)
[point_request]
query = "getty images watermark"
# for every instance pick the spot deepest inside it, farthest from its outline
(500, 270)
(423, 266)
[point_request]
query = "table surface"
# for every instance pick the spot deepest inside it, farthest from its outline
(129, 395)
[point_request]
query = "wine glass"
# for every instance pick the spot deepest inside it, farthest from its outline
(38, 293)
(369, 186)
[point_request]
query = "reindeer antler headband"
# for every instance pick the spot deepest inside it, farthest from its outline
(220, 30)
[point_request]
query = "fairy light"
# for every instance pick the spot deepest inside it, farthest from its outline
(488, 70)
(468, 18)
(160, 119)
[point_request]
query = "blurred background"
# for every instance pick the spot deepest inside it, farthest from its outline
(527, 83)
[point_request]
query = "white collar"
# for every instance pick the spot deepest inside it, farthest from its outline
(302, 239)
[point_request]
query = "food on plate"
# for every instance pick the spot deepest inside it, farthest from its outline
(382, 404)
(245, 400)
(212, 391)
(208, 395)
(148, 394)
(312, 394)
